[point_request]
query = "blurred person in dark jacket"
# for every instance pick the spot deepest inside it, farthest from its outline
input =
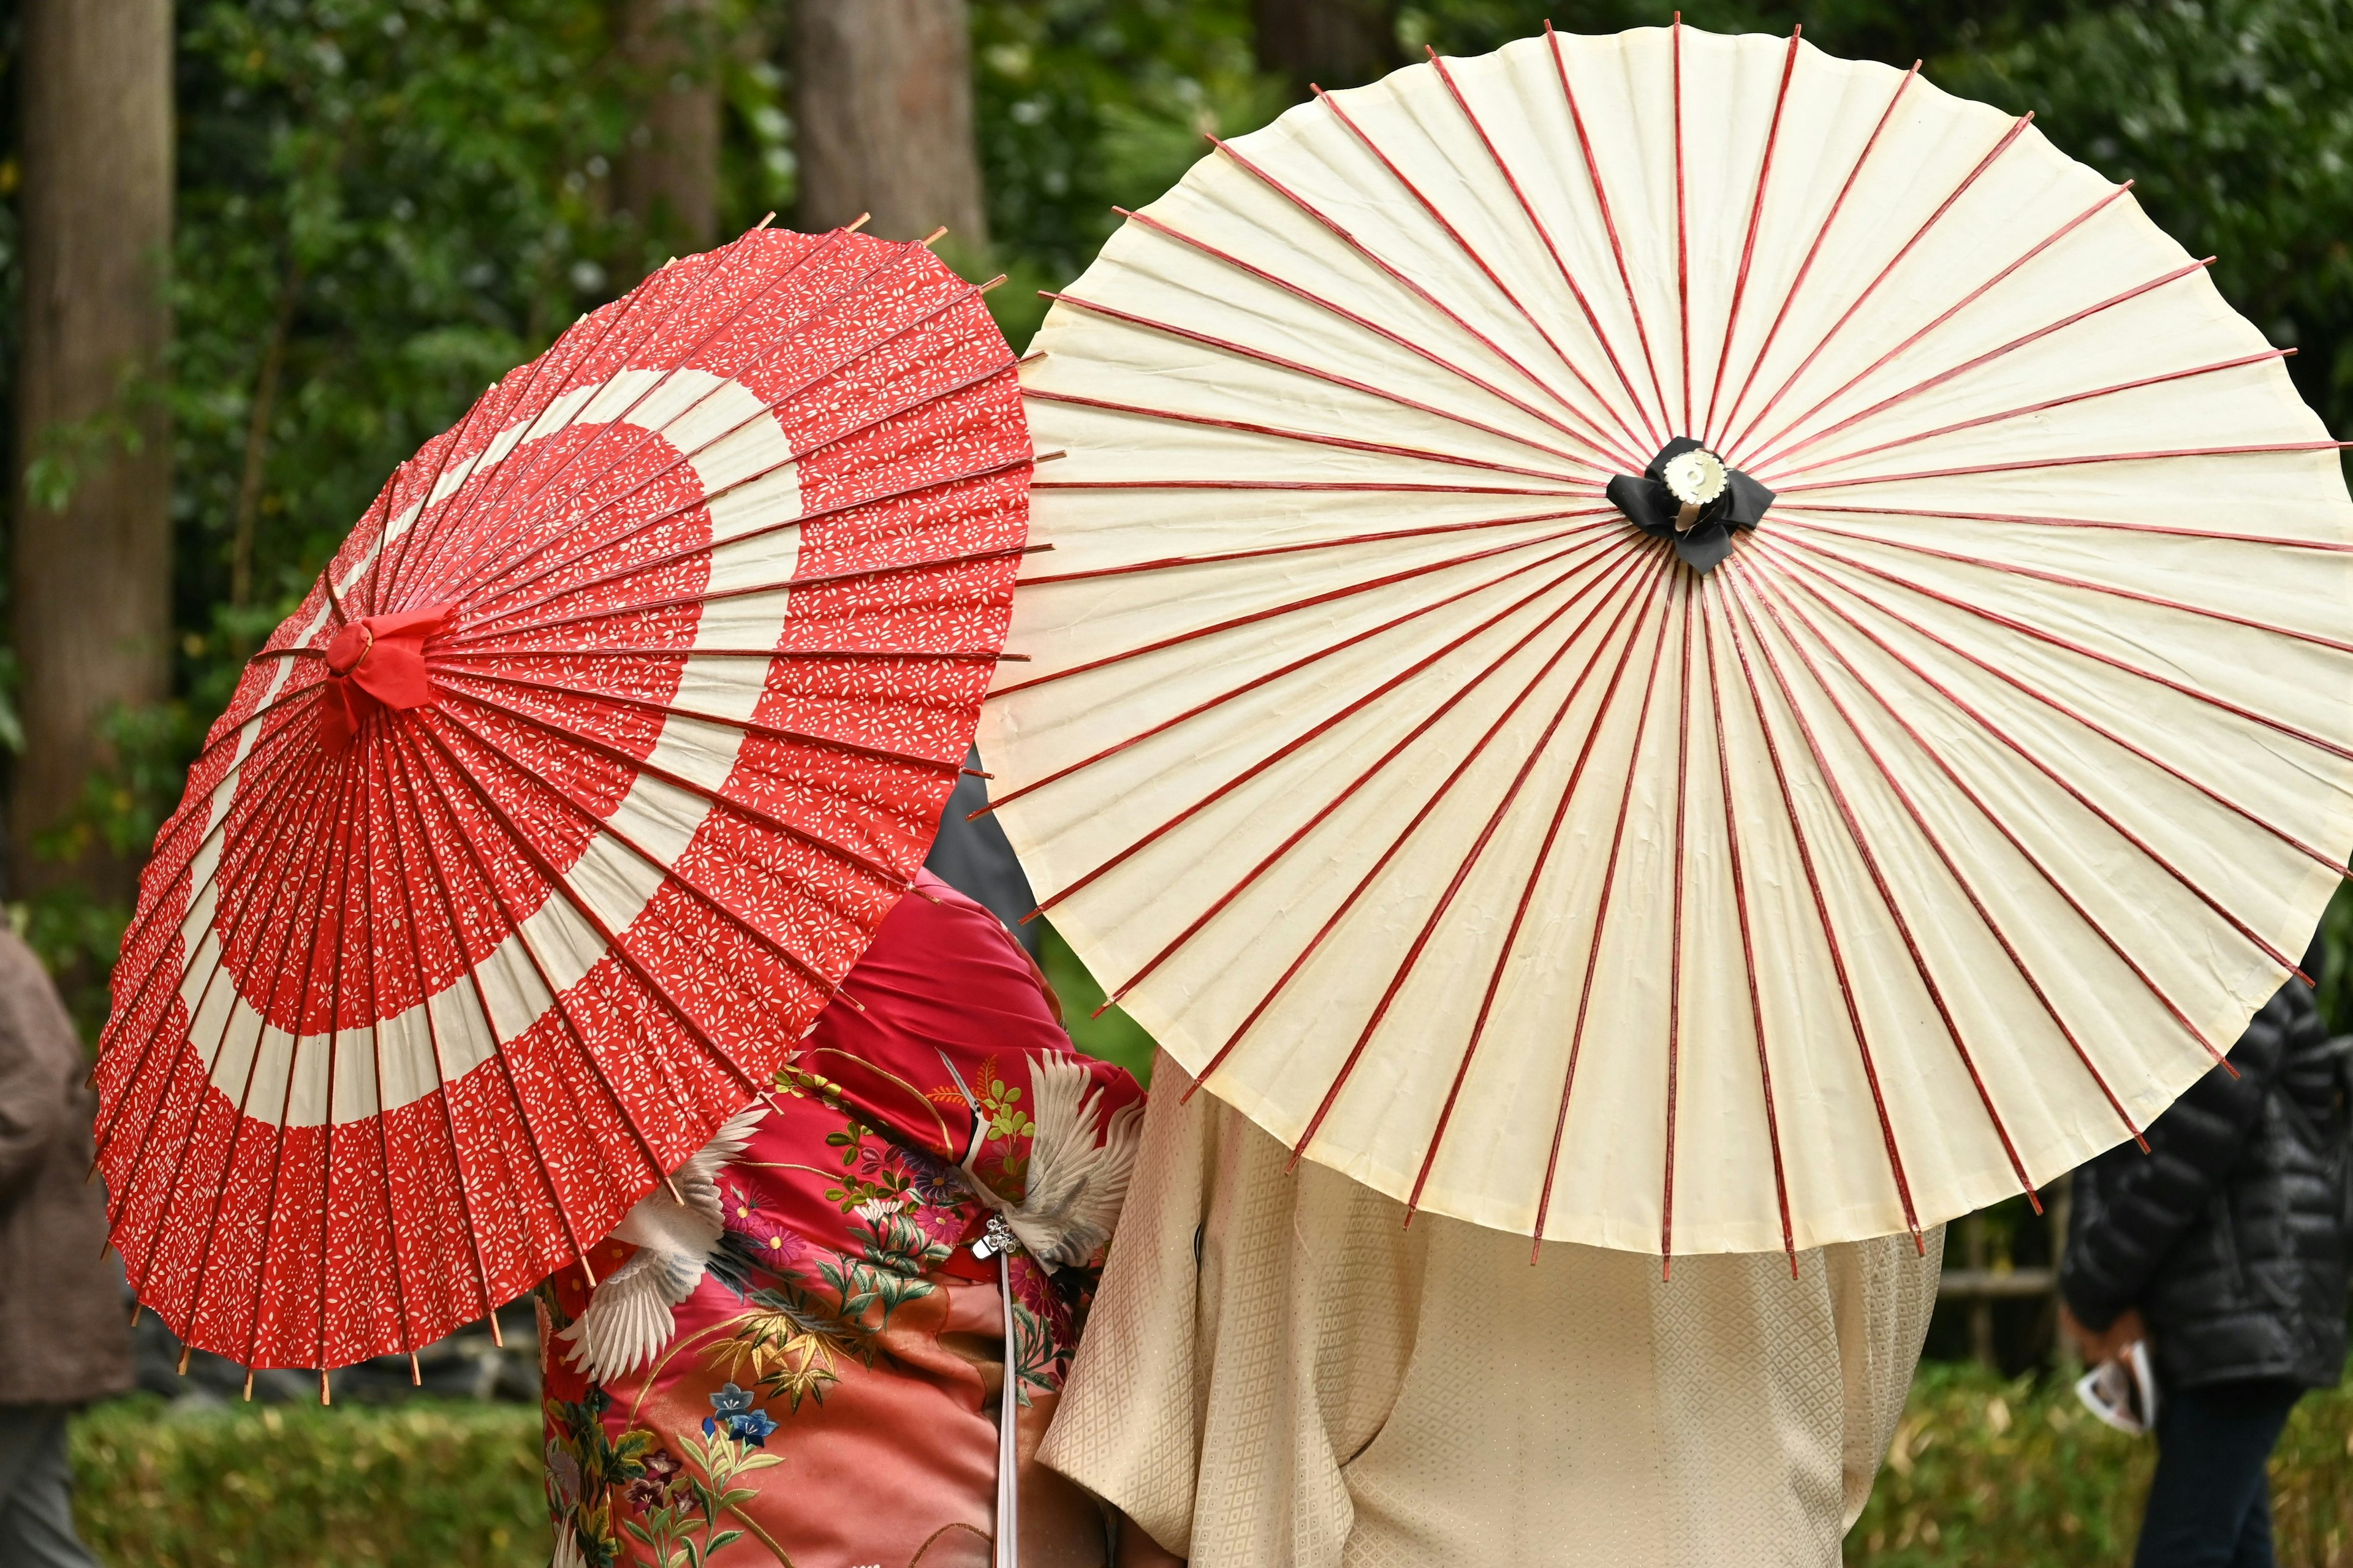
(63, 1338)
(2223, 1246)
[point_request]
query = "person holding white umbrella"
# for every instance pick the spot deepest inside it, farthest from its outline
(1645, 651)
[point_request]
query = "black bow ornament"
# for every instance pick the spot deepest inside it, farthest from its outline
(1689, 496)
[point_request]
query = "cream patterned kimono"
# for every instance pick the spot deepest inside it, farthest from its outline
(1278, 1372)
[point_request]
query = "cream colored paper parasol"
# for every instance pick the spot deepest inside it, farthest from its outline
(1816, 837)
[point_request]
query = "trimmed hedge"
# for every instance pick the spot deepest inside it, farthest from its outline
(1984, 1473)
(1990, 1473)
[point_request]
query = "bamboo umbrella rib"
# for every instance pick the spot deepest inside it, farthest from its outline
(1609, 227)
(1397, 845)
(1345, 444)
(1675, 940)
(2072, 791)
(1765, 463)
(1463, 690)
(1954, 309)
(1313, 601)
(1829, 936)
(2168, 769)
(653, 652)
(396, 752)
(1329, 378)
(1769, 593)
(2251, 449)
(1600, 929)
(1862, 842)
(327, 1162)
(1683, 219)
(506, 573)
(2044, 406)
(2063, 580)
(1600, 442)
(2025, 628)
(1756, 217)
(589, 816)
(1801, 577)
(1345, 542)
(1341, 487)
(374, 950)
(1404, 971)
(1544, 233)
(1813, 251)
(1747, 939)
(716, 797)
(1476, 260)
(2033, 520)
(2001, 145)
(408, 541)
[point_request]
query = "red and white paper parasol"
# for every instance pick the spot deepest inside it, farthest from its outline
(556, 813)
(1672, 642)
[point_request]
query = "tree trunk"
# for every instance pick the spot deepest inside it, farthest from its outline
(667, 182)
(1326, 43)
(93, 598)
(885, 121)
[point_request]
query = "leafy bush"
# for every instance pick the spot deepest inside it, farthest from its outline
(1992, 1473)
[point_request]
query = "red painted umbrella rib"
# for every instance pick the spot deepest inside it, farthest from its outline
(999, 802)
(725, 321)
(1378, 449)
(2110, 736)
(1445, 901)
(746, 591)
(703, 500)
(1428, 721)
(433, 527)
(1520, 911)
(1941, 377)
(1331, 595)
(506, 573)
(1543, 234)
(1593, 950)
(1675, 940)
(1768, 594)
(1682, 221)
(1356, 318)
(589, 817)
(1990, 728)
(1395, 846)
(1862, 842)
(1461, 244)
(1341, 487)
(1829, 930)
(704, 791)
(2033, 520)
(1756, 217)
(1609, 227)
(654, 651)
(2025, 628)
(2043, 407)
(1805, 268)
(2061, 579)
(2251, 450)
(1747, 940)
(1347, 541)
(1799, 577)
(376, 951)
(2001, 146)
(1329, 378)
(2053, 238)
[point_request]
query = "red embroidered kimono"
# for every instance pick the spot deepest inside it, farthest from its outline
(801, 1363)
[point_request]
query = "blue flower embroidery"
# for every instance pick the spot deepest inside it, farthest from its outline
(732, 1409)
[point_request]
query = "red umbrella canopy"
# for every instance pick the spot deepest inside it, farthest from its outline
(550, 821)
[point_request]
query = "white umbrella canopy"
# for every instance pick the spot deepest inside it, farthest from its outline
(1737, 890)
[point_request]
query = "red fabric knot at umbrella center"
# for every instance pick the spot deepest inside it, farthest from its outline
(377, 662)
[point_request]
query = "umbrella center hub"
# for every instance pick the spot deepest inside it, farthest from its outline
(1691, 497)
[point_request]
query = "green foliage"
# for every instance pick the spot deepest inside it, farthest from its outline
(424, 1485)
(1986, 1473)
(1114, 1035)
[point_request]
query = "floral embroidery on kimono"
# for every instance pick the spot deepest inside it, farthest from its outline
(802, 1361)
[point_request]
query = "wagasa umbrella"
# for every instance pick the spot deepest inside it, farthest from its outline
(543, 828)
(1672, 642)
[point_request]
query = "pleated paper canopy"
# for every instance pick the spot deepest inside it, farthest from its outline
(1571, 855)
(543, 828)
